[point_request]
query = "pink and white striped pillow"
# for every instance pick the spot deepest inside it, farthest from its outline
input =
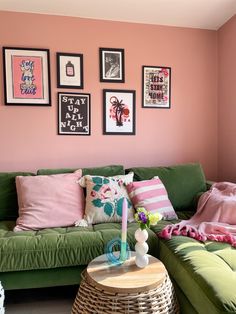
(152, 195)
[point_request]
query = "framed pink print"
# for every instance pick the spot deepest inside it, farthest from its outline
(156, 87)
(26, 76)
(118, 112)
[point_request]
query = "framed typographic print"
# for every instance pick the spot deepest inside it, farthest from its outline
(156, 89)
(26, 76)
(118, 112)
(70, 70)
(73, 114)
(112, 63)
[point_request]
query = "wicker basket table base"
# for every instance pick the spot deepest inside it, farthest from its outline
(96, 298)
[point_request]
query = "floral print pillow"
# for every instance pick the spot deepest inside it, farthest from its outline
(104, 198)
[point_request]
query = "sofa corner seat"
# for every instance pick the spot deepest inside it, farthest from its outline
(204, 274)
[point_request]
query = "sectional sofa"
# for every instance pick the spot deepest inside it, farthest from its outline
(203, 273)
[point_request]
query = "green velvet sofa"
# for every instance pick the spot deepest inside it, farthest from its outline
(203, 273)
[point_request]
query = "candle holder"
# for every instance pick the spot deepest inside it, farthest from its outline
(116, 257)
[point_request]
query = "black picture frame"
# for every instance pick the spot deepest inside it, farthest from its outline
(26, 73)
(74, 113)
(112, 65)
(156, 87)
(70, 72)
(119, 112)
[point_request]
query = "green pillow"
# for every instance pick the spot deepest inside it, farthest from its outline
(182, 182)
(106, 171)
(8, 195)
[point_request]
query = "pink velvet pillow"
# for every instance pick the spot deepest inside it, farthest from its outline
(48, 201)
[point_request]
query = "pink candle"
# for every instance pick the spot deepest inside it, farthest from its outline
(124, 230)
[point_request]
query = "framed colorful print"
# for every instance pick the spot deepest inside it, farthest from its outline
(73, 114)
(70, 70)
(26, 76)
(118, 112)
(112, 67)
(156, 87)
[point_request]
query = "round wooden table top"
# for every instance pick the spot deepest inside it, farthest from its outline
(127, 277)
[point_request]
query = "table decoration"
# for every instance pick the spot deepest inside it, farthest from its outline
(115, 257)
(145, 219)
(124, 230)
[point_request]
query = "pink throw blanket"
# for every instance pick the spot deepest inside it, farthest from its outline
(215, 218)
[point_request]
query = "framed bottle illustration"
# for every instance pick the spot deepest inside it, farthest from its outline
(70, 70)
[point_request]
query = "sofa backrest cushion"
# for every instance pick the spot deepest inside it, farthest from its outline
(49, 201)
(182, 182)
(8, 195)
(106, 171)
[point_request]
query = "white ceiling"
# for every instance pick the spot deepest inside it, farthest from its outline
(206, 14)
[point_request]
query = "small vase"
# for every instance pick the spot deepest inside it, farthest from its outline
(141, 248)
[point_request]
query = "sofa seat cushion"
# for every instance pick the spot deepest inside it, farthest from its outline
(206, 272)
(59, 247)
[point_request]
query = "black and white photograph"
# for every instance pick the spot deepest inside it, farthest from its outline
(112, 68)
(73, 114)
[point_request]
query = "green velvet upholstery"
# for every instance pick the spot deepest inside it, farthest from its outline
(182, 182)
(185, 305)
(28, 279)
(205, 272)
(8, 196)
(59, 247)
(106, 171)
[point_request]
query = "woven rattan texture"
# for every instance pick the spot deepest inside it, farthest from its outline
(91, 300)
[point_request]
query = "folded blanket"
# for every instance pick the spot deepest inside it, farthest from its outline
(215, 218)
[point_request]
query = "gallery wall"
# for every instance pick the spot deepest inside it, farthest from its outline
(227, 101)
(185, 133)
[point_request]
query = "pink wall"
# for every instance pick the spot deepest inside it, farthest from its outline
(185, 133)
(227, 101)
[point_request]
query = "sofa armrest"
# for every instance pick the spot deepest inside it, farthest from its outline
(209, 183)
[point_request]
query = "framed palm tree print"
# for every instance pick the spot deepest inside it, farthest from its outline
(118, 112)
